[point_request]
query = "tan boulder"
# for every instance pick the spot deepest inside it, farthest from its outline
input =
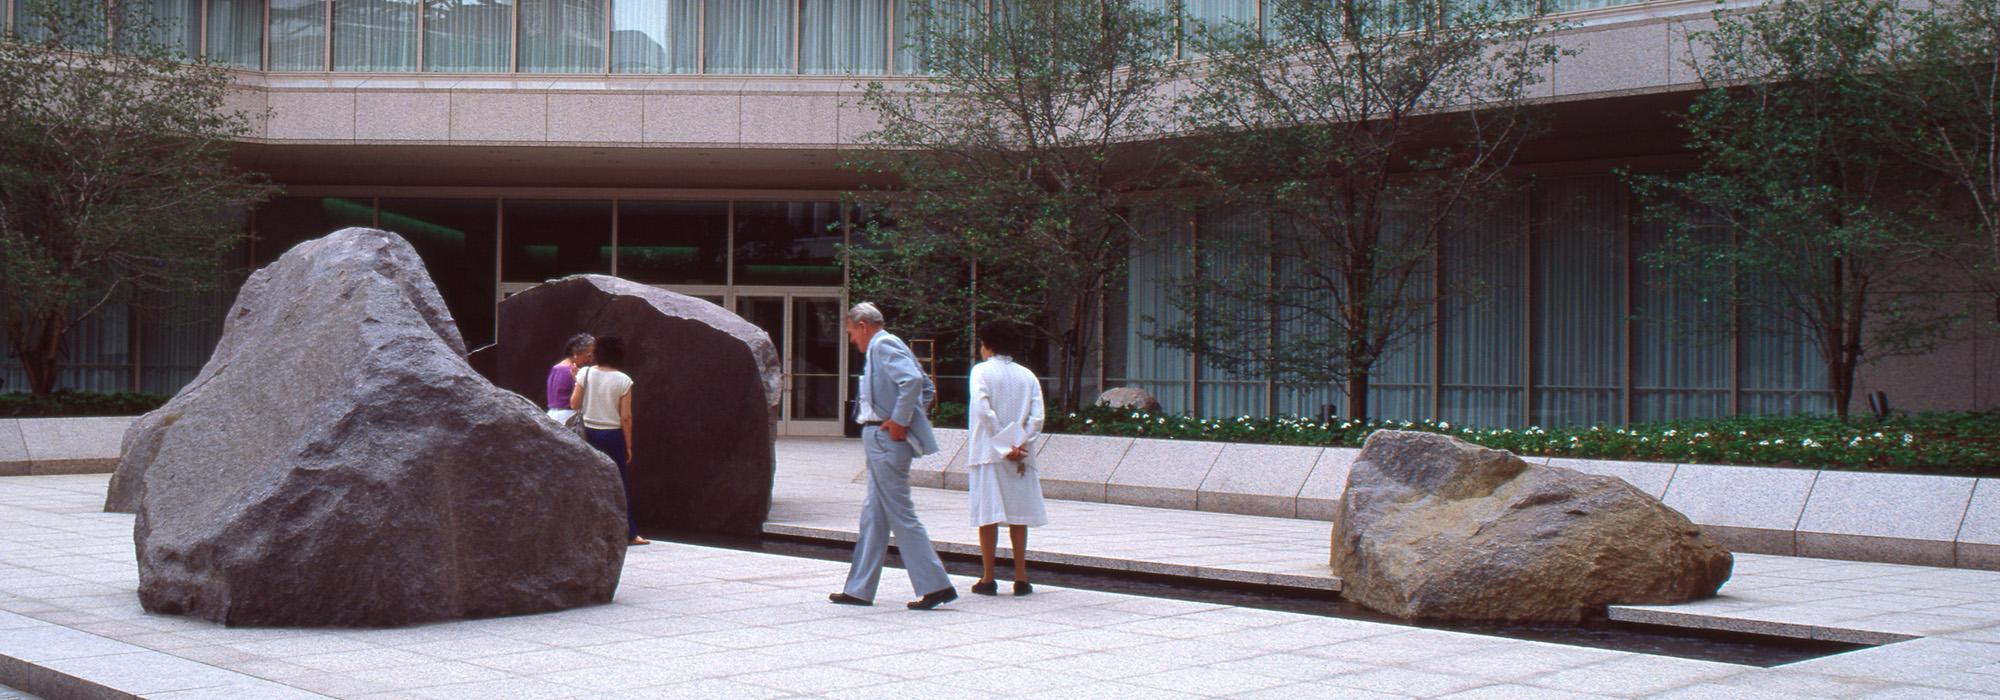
(1432, 527)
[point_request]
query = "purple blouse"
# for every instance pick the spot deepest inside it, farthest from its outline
(561, 383)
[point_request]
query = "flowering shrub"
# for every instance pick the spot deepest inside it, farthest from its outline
(1932, 443)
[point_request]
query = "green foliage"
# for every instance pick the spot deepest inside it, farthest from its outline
(1367, 129)
(1792, 215)
(948, 413)
(1966, 444)
(1005, 171)
(74, 404)
(1942, 79)
(115, 180)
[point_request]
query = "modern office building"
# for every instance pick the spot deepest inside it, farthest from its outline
(695, 145)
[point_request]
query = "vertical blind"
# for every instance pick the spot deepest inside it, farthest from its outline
(468, 36)
(298, 35)
(1482, 336)
(655, 36)
(1239, 390)
(838, 37)
(562, 36)
(375, 35)
(749, 36)
(175, 24)
(1580, 301)
(1162, 258)
(1681, 346)
(1399, 387)
(235, 32)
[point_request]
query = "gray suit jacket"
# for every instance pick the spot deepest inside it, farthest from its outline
(899, 390)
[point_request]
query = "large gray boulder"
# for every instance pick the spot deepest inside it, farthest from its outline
(1432, 527)
(705, 393)
(1130, 398)
(337, 462)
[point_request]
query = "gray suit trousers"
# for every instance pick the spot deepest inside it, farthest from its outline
(888, 510)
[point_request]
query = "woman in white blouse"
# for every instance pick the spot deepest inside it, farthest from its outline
(1005, 417)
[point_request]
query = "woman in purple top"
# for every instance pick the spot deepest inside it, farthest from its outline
(562, 377)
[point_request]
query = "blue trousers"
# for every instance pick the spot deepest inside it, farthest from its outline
(888, 510)
(612, 444)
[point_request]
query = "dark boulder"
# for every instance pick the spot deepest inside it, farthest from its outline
(337, 462)
(1431, 527)
(705, 393)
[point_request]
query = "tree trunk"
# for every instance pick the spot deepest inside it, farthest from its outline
(1357, 396)
(41, 354)
(41, 373)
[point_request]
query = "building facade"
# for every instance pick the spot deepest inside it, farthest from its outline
(696, 145)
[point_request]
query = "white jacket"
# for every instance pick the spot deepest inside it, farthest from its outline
(1004, 410)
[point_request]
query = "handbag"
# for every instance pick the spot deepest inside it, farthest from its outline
(575, 421)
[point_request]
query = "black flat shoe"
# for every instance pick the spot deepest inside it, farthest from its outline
(934, 599)
(1023, 588)
(845, 599)
(986, 588)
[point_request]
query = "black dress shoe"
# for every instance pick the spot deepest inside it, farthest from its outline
(986, 588)
(1023, 588)
(934, 599)
(845, 599)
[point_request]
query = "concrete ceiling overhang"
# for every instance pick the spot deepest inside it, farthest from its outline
(1630, 129)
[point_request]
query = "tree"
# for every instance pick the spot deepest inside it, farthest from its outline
(1795, 167)
(114, 166)
(1007, 168)
(1943, 77)
(1362, 127)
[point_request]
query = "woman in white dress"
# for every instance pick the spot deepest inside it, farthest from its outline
(1004, 417)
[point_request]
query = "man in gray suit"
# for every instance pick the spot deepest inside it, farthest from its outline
(894, 393)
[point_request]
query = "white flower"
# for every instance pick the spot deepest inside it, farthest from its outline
(1444, 424)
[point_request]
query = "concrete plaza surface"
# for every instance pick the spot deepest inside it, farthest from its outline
(717, 623)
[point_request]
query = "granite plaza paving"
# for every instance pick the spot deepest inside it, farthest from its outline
(704, 622)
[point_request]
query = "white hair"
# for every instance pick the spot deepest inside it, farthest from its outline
(865, 312)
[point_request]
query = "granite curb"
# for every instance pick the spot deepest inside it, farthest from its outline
(50, 446)
(1858, 516)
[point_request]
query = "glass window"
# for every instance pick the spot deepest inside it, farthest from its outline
(673, 242)
(82, 25)
(375, 35)
(174, 24)
(844, 37)
(547, 239)
(1580, 302)
(1680, 358)
(655, 36)
(468, 36)
(298, 35)
(1783, 373)
(1231, 241)
(912, 16)
(1158, 262)
(287, 221)
(749, 36)
(1215, 18)
(562, 36)
(1399, 388)
(1482, 336)
(236, 33)
(456, 238)
(788, 243)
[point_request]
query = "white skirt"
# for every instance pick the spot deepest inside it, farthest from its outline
(1001, 495)
(561, 415)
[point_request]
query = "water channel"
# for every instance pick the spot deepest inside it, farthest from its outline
(1708, 645)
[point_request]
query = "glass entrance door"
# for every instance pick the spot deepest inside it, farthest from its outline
(811, 349)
